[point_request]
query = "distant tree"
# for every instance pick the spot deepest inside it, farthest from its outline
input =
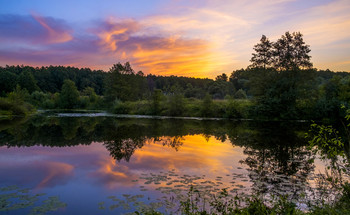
(222, 77)
(219, 89)
(140, 73)
(18, 95)
(69, 96)
(290, 52)
(8, 81)
(263, 56)
(27, 81)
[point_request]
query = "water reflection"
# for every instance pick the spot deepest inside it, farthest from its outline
(277, 160)
(111, 153)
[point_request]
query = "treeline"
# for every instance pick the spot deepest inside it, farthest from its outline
(50, 80)
(246, 93)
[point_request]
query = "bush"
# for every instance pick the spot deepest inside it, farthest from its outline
(240, 94)
(175, 105)
(120, 107)
(207, 106)
(7, 106)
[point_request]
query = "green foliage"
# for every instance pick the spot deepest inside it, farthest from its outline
(19, 95)
(120, 107)
(122, 83)
(175, 104)
(277, 91)
(240, 94)
(233, 110)
(263, 56)
(207, 106)
(327, 141)
(222, 77)
(38, 98)
(90, 100)
(220, 88)
(27, 81)
(287, 53)
(13, 198)
(157, 98)
(8, 82)
(8, 107)
(69, 96)
(291, 53)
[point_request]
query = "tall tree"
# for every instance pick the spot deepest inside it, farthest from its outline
(263, 56)
(121, 83)
(290, 52)
(69, 96)
(156, 102)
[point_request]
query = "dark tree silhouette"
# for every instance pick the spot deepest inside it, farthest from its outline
(263, 55)
(290, 52)
(222, 77)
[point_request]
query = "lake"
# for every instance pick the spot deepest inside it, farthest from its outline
(104, 164)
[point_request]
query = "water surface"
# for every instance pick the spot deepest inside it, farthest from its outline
(104, 164)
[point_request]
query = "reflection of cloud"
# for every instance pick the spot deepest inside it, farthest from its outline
(36, 174)
(111, 173)
(55, 173)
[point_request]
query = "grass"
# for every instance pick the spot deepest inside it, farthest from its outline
(236, 109)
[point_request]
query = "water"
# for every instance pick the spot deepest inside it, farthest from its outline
(102, 164)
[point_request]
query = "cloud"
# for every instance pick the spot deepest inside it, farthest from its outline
(152, 50)
(103, 45)
(33, 29)
(196, 38)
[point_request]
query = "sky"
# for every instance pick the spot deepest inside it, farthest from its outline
(198, 38)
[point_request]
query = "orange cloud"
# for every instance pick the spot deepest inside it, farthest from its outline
(54, 35)
(175, 56)
(156, 54)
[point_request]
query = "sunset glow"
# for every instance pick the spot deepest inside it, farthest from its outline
(186, 38)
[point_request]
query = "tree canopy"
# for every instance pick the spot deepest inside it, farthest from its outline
(288, 53)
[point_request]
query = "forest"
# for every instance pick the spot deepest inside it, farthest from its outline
(280, 83)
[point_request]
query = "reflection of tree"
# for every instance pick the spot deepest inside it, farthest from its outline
(173, 142)
(277, 161)
(69, 127)
(272, 150)
(279, 170)
(123, 148)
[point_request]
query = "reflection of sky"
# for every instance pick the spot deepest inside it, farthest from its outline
(88, 171)
(191, 38)
(84, 175)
